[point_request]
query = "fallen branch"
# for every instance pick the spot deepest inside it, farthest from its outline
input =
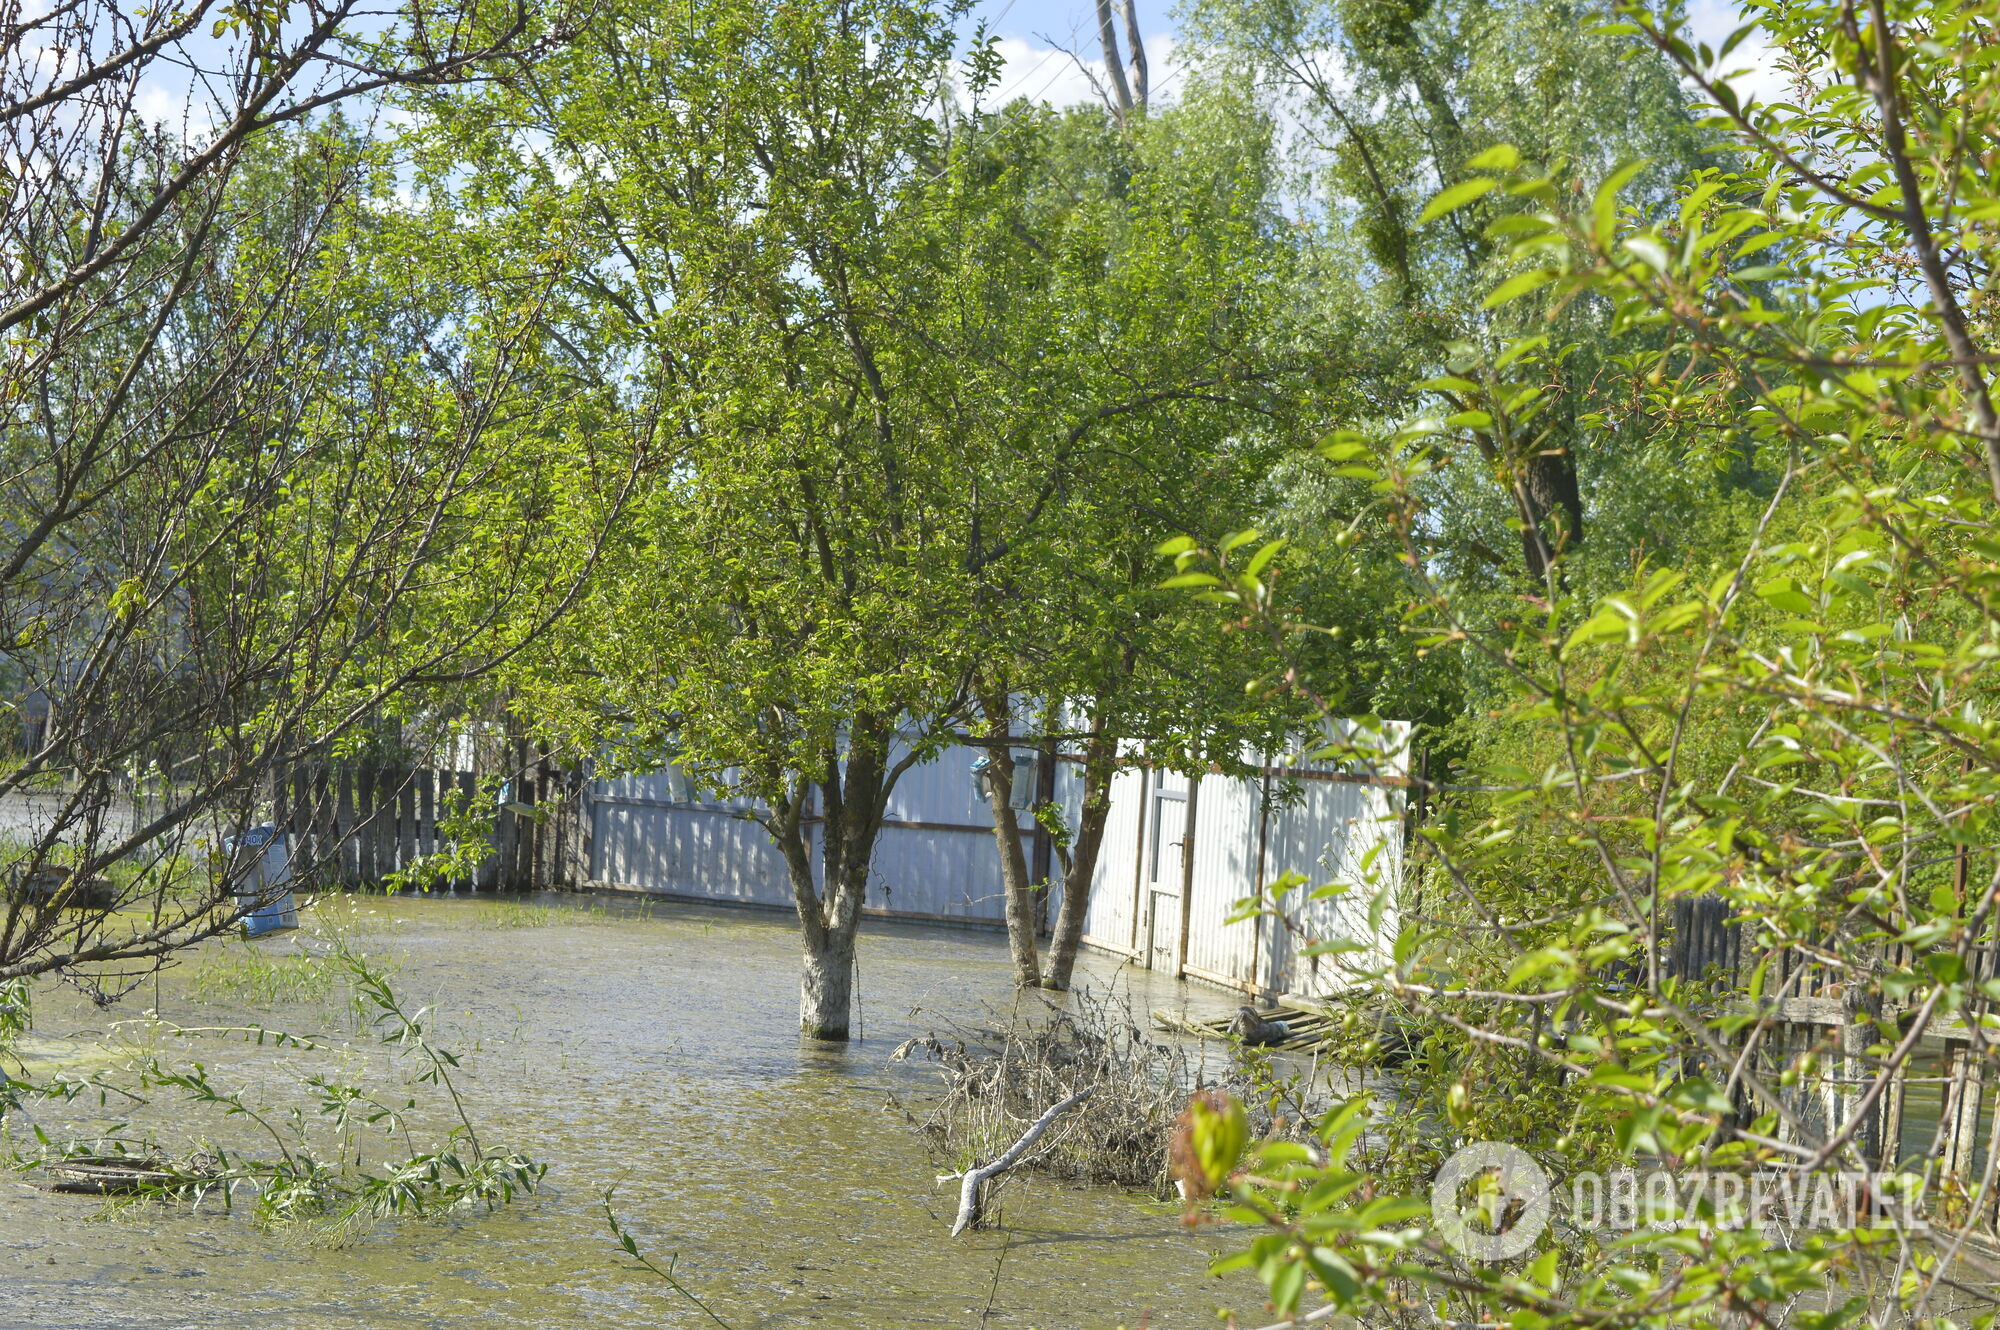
(968, 1192)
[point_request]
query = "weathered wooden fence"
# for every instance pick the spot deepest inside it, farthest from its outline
(362, 823)
(1937, 1114)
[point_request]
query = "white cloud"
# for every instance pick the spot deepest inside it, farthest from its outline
(1043, 73)
(1752, 68)
(169, 102)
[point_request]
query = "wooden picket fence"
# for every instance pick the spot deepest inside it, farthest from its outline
(1940, 1113)
(357, 824)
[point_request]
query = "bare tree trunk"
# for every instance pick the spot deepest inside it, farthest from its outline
(1137, 41)
(1551, 503)
(1114, 68)
(853, 794)
(971, 1203)
(1100, 760)
(1014, 883)
(826, 981)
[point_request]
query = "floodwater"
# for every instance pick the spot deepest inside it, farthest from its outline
(651, 1046)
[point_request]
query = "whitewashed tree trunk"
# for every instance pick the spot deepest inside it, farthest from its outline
(826, 989)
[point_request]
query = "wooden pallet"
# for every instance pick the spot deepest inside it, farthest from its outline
(1310, 1028)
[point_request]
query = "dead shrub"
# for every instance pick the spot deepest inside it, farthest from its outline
(999, 1079)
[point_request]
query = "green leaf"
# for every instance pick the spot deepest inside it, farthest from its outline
(1604, 204)
(1286, 1284)
(1339, 1277)
(1500, 157)
(1519, 285)
(1650, 251)
(1218, 1134)
(1456, 197)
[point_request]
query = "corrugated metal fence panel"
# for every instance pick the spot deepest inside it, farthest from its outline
(1324, 833)
(1225, 870)
(936, 875)
(1111, 922)
(1323, 818)
(941, 789)
(1381, 751)
(670, 786)
(936, 858)
(1379, 828)
(655, 833)
(946, 867)
(688, 852)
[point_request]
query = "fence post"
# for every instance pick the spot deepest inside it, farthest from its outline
(1139, 855)
(467, 784)
(385, 821)
(548, 830)
(1960, 1119)
(583, 843)
(406, 819)
(1187, 876)
(345, 816)
(426, 826)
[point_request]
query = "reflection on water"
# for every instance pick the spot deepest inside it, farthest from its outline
(655, 1049)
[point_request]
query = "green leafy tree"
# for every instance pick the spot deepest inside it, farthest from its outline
(1117, 292)
(751, 191)
(1394, 100)
(255, 446)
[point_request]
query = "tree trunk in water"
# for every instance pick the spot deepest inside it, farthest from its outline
(853, 793)
(1099, 763)
(826, 990)
(1019, 891)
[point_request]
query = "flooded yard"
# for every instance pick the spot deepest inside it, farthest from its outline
(649, 1046)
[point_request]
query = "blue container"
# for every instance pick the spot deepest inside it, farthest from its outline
(261, 862)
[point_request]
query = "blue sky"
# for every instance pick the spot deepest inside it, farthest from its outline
(1024, 18)
(1036, 69)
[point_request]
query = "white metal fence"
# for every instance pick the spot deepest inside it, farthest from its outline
(1178, 854)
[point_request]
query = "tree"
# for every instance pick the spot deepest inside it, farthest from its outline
(1396, 99)
(241, 442)
(1110, 327)
(1128, 93)
(1795, 733)
(783, 620)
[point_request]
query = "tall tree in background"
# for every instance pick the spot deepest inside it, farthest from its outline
(1113, 294)
(1394, 99)
(1129, 85)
